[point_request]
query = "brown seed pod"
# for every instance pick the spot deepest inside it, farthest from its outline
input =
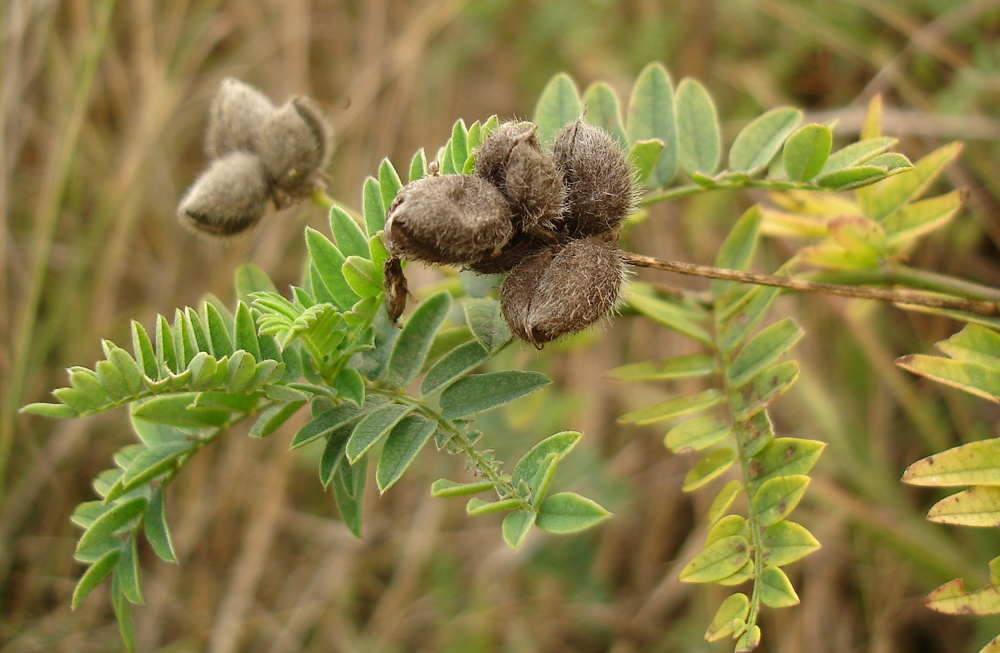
(452, 219)
(229, 197)
(395, 287)
(511, 159)
(520, 247)
(562, 289)
(238, 111)
(600, 182)
(294, 144)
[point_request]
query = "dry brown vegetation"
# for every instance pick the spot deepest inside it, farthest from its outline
(102, 106)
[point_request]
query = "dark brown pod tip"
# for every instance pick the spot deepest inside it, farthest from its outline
(396, 290)
(562, 289)
(453, 219)
(229, 197)
(600, 182)
(294, 144)
(237, 112)
(519, 248)
(511, 159)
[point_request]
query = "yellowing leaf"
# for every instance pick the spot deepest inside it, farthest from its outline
(975, 463)
(951, 598)
(977, 506)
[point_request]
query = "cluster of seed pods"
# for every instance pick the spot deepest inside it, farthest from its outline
(258, 153)
(550, 221)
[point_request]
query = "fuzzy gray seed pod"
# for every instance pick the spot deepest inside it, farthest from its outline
(511, 159)
(294, 144)
(600, 182)
(453, 219)
(562, 289)
(238, 111)
(519, 248)
(229, 197)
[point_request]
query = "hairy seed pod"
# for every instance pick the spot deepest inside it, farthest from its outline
(600, 182)
(238, 111)
(229, 197)
(294, 144)
(562, 289)
(520, 247)
(452, 219)
(511, 159)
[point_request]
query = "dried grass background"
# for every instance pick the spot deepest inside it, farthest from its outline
(102, 106)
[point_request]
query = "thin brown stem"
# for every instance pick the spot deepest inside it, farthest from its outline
(911, 297)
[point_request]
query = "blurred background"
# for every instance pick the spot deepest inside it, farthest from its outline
(102, 107)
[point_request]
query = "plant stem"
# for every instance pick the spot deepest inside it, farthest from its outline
(911, 297)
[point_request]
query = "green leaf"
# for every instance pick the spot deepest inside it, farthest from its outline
(516, 527)
(651, 115)
(245, 332)
(418, 166)
(350, 385)
(848, 178)
(890, 195)
(543, 478)
(362, 276)
(57, 411)
(405, 441)
(373, 207)
(349, 492)
(414, 341)
(558, 105)
(347, 234)
(128, 571)
(671, 408)
(476, 393)
(769, 384)
(709, 468)
(951, 598)
(974, 344)
(273, 417)
(85, 382)
(110, 522)
(783, 457)
(452, 366)
(763, 349)
(123, 612)
(94, 575)
(738, 248)
(373, 427)
(154, 461)
(777, 498)
(203, 368)
(697, 434)
(144, 354)
(326, 423)
(445, 488)
(487, 323)
(719, 560)
(759, 141)
(389, 185)
(679, 367)
(250, 279)
(724, 499)
(920, 218)
(604, 111)
(459, 143)
(749, 640)
(559, 444)
(329, 262)
(218, 334)
(157, 530)
(129, 370)
(477, 506)
(856, 154)
(776, 590)
(111, 380)
(974, 463)
(197, 331)
(668, 314)
(698, 137)
(977, 379)
(752, 308)
(568, 512)
(786, 542)
(334, 453)
(729, 618)
(806, 151)
(178, 410)
(644, 156)
(727, 527)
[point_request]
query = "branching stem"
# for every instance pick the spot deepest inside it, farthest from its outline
(910, 297)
